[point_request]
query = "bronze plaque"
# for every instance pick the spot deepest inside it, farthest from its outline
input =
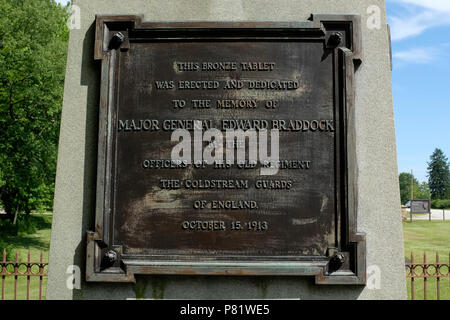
(189, 89)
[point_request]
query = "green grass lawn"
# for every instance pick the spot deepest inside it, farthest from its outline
(36, 243)
(427, 237)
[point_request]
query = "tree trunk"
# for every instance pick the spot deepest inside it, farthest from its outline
(15, 215)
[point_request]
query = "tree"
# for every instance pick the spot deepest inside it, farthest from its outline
(421, 191)
(33, 49)
(439, 175)
(405, 186)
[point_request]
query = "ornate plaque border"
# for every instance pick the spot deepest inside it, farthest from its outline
(340, 34)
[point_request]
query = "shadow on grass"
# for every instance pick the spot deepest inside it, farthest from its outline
(27, 241)
(42, 221)
(30, 232)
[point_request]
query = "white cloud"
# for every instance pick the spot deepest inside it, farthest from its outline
(418, 55)
(405, 27)
(419, 15)
(438, 5)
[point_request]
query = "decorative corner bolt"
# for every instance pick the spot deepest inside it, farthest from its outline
(335, 39)
(338, 260)
(111, 256)
(116, 40)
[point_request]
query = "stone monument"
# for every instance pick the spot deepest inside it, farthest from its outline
(165, 187)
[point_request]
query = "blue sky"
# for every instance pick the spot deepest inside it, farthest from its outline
(421, 80)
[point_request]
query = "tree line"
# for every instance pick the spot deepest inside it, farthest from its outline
(33, 49)
(438, 186)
